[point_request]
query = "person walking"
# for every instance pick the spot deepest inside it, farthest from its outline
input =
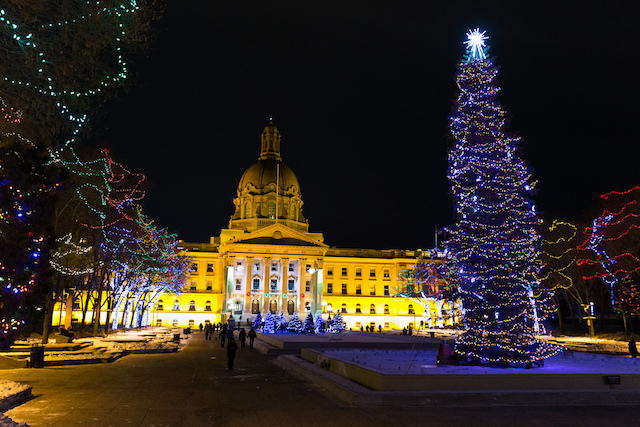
(223, 335)
(242, 337)
(231, 351)
(633, 350)
(252, 336)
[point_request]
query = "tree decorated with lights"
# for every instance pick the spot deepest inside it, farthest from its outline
(281, 322)
(269, 324)
(337, 324)
(494, 244)
(309, 325)
(295, 325)
(258, 323)
(611, 253)
(319, 324)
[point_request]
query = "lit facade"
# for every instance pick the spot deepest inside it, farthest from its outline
(267, 260)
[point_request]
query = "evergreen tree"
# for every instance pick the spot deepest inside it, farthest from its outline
(320, 324)
(258, 323)
(281, 322)
(494, 243)
(269, 324)
(295, 325)
(309, 325)
(337, 324)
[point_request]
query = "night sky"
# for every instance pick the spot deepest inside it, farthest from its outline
(361, 92)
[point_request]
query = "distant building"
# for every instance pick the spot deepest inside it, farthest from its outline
(267, 260)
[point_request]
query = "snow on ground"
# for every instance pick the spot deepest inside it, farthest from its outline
(390, 361)
(9, 388)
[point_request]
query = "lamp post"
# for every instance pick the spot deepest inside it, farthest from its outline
(329, 310)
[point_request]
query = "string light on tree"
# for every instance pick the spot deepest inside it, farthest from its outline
(493, 246)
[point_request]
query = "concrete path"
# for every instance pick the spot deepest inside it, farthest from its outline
(194, 388)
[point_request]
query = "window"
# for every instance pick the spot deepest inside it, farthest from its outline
(175, 322)
(256, 267)
(271, 210)
(158, 322)
(209, 267)
(372, 272)
(386, 273)
(194, 267)
(192, 286)
(192, 305)
(372, 326)
(358, 310)
(386, 309)
(307, 268)
(273, 306)
(344, 271)
(372, 309)
(238, 284)
(274, 266)
(343, 309)
(307, 286)
(344, 289)
(160, 304)
(291, 283)
(329, 271)
(209, 287)
(307, 307)
(358, 325)
(358, 289)
(411, 311)
(256, 284)
(192, 323)
(386, 290)
(372, 289)
(358, 272)
(176, 305)
(274, 285)
(329, 288)
(386, 325)
(291, 307)
(255, 306)
(291, 267)
(207, 306)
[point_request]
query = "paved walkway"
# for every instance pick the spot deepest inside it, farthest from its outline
(194, 388)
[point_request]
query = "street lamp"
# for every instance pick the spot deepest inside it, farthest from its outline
(329, 310)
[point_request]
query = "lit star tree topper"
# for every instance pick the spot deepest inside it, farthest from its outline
(494, 245)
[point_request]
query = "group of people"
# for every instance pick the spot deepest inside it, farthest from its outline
(226, 334)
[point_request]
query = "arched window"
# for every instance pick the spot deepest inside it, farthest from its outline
(160, 304)
(176, 305)
(344, 308)
(386, 309)
(372, 309)
(273, 306)
(271, 209)
(411, 311)
(237, 307)
(207, 306)
(247, 210)
(192, 305)
(358, 308)
(291, 307)
(255, 306)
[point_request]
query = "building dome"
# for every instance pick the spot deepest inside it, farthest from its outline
(268, 191)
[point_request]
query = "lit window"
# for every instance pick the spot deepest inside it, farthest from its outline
(343, 309)
(207, 306)
(372, 309)
(176, 305)
(411, 311)
(160, 305)
(192, 305)
(192, 323)
(209, 268)
(358, 310)
(386, 309)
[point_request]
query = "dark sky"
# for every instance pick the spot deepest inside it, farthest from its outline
(361, 92)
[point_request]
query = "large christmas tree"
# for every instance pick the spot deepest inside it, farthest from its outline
(494, 243)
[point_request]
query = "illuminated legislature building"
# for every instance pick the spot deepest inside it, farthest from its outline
(268, 260)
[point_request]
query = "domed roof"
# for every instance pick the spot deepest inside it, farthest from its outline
(264, 172)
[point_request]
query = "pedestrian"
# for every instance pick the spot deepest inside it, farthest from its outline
(242, 336)
(404, 331)
(201, 327)
(223, 336)
(231, 351)
(252, 336)
(207, 330)
(380, 328)
(633, 350)
(410, 330)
